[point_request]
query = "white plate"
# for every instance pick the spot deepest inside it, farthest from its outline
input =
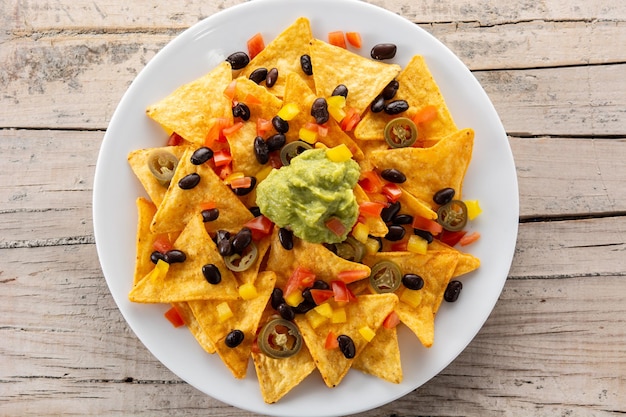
(491, 179)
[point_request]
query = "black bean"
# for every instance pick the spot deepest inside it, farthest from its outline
(244, 191)
(261, 150)
(304, 307)
(210, 215)
(346, 345)
(201, 155)
(393, 175)
(234, 338)
(286, 311)
(396, 107)
(242, 111)
(189, 181)
(238, 60)
(413, 281)
(305, 63)
(285, 236)
(222, 234)
(389, 212)
(241, 240)
(212, 274)
(175, 256)
(281, 125)
(395, 233)
(390, 90)
(224, 247)
(378, 104)
(276, 142)
(272, 76)
(402, 219)
(340, 90)
(255, 210)
(444, 196)
(156, 256)
(258, 75)
(319, 110)
(306, 294)
(452, 291)
(321, 285)
(383, 51)
(277, 298)
(424, 234)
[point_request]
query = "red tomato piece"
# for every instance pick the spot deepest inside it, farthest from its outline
(469, 239)
(300, 278)
(162, 243)
(255, 45)
(371, 208)
(451, 238)
(322, 130)
(350, 121)
(353, 275)
(263, 126)
(260, 226)
(425, 115)
(252, 99)
(209, 205)
(335, 226)
(371, 182)
(392, 191)
(232, 129)
(174, 317)
(331, 341)
(244, 182)
(426, 224)
(400, 246)
(319, 296)
(391, 321)
(225, 171)
(336, 38)
(221, 158)
(175, 139)
(275, 161)
(231, 90)
(354, 39)
(341, 292)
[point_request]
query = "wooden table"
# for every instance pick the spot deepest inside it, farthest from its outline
(555, 345)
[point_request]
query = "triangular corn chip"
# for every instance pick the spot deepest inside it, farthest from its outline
(194, 327)
(381, 357)
(364, 77)
(375, 224)
(190, 109)
(417, 86)
(467, 262)
(145, 239)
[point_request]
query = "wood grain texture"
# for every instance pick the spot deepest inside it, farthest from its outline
(555, 344)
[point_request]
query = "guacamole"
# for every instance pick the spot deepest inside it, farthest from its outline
(304, 195)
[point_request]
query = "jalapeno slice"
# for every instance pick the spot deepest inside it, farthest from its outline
(241, 262)
(351, 249)
(162, 165)
(293, 149)
(280, 339)
(385, 277)
(400, 132)
(452, 216)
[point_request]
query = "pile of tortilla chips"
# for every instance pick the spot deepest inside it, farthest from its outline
(200, 114)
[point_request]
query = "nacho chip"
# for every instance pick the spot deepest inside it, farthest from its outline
(138, 161)
(381, 357)
(283, 53)
(364, 77)
(246, 317)
(185, 281)
(249, 276)
(376, 225)
(194, 327)
(415, 206)
(467, 262)
(180, 205)
(189, 110)
(429, 170)
(369, 310)
(145, 239)
(418, 88)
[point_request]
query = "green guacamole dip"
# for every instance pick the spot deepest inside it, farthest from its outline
(304, 195)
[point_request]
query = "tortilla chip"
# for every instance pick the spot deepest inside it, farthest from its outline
(418, 88)
(189, 110)
(145, 239)
(194, 327)
(381, 357)
(467, 262)
(368, 310)
(185, 281)
(415, 206)
(364, 77)
(315, 257)
(279, 376)
(138, 161)
(283, 53)
(436, 269)
(249, 276)
(429, 170)
(246, 317)
(179, 205)
(376, 225)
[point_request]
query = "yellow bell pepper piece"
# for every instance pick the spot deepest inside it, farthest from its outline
(339, 153)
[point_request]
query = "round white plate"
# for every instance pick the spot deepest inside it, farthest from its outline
(491, 179)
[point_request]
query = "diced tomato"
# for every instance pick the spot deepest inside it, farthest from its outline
(275, 161)
(175, 139)
(425, 115)
(252, 99)
(335, 226)
(174, 317)
(322, 130)
(331, 341)
(225, 171)
(216, 131)
(353, 275)
(371, 182)
(336, 38)
(350, 121)
(260, 226)
(469, 239)
(451, 238)
(319, 296)
(354, 39)
(208, 205)
(341, 292)
(255, 45)
(231, 90)
(232, 129)
(391, 321)
(162, 243)
(371, 208)
(313, 127)
(392, 191)
(221, 158)
(428, 225)
(255, 346)
(263, 126)
(300, 278)
(243, 182)
(400, 246)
